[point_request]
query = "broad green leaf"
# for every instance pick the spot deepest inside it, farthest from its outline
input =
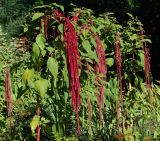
(133, 37)
(87, 46)
(61, 28)
(110, 62)
(147, 40)
(141, 61)
(41, 86)
(34, 123)
(27, 76)
(50, 49)
(60, 6)
(40, 40)
(52, 65)
(93, 55)
(25, 29)
(37, 16)
(35, 52)
(130, 15)
(43, 53)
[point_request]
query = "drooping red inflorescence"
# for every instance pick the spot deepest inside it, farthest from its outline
(24, 40)
(118, 62)
(147, 68)
(8, 92)
(119, 72)
(46, 26)
(147, 61)
(100, 69)
(71, 42)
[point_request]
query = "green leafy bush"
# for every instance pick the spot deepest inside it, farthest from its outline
(45, 85)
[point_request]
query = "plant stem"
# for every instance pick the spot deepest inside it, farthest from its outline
(38, 114)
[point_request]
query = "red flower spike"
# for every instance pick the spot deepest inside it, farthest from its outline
(71, 43)
(147, 61)
(23, 39)
(147, 68)
(46, 26)
(100, 68)
(119, 72)
(118, 62)
(8, 92)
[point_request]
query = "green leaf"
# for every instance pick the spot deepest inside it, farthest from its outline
(40, 40)
(41, 86)
(25, 29)
(34, 123)
(141, 60)
(110, 62)
(37, 16)
(130, 15)
(147, 40)
(86, 45)
(133, 37)
(1, 65)
(60, 6)
(93, 41)
(35, 52)
(43, 53)
(52, 65)
(93, 55)
(61, 28)
(43, 6)
(50, 49)
(27, 76)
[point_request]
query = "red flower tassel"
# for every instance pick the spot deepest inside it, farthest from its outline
(147, 68)
(23, 39)
(100, 68)
(118, 62)
(46, 26)
(119, 72)
(147, 61)
(71, 42)
(8, 91)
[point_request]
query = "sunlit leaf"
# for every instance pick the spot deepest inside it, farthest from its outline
(110, 62)
(34, 123)
(41, 86)
(35, 52)
(37, 16)
(27, 75)
(52, 65)
(40, 40)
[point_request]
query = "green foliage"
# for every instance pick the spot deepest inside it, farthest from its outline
(42, 79)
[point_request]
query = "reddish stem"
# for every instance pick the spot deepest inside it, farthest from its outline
(38, 127)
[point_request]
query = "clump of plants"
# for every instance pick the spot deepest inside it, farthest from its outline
(85, 78)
